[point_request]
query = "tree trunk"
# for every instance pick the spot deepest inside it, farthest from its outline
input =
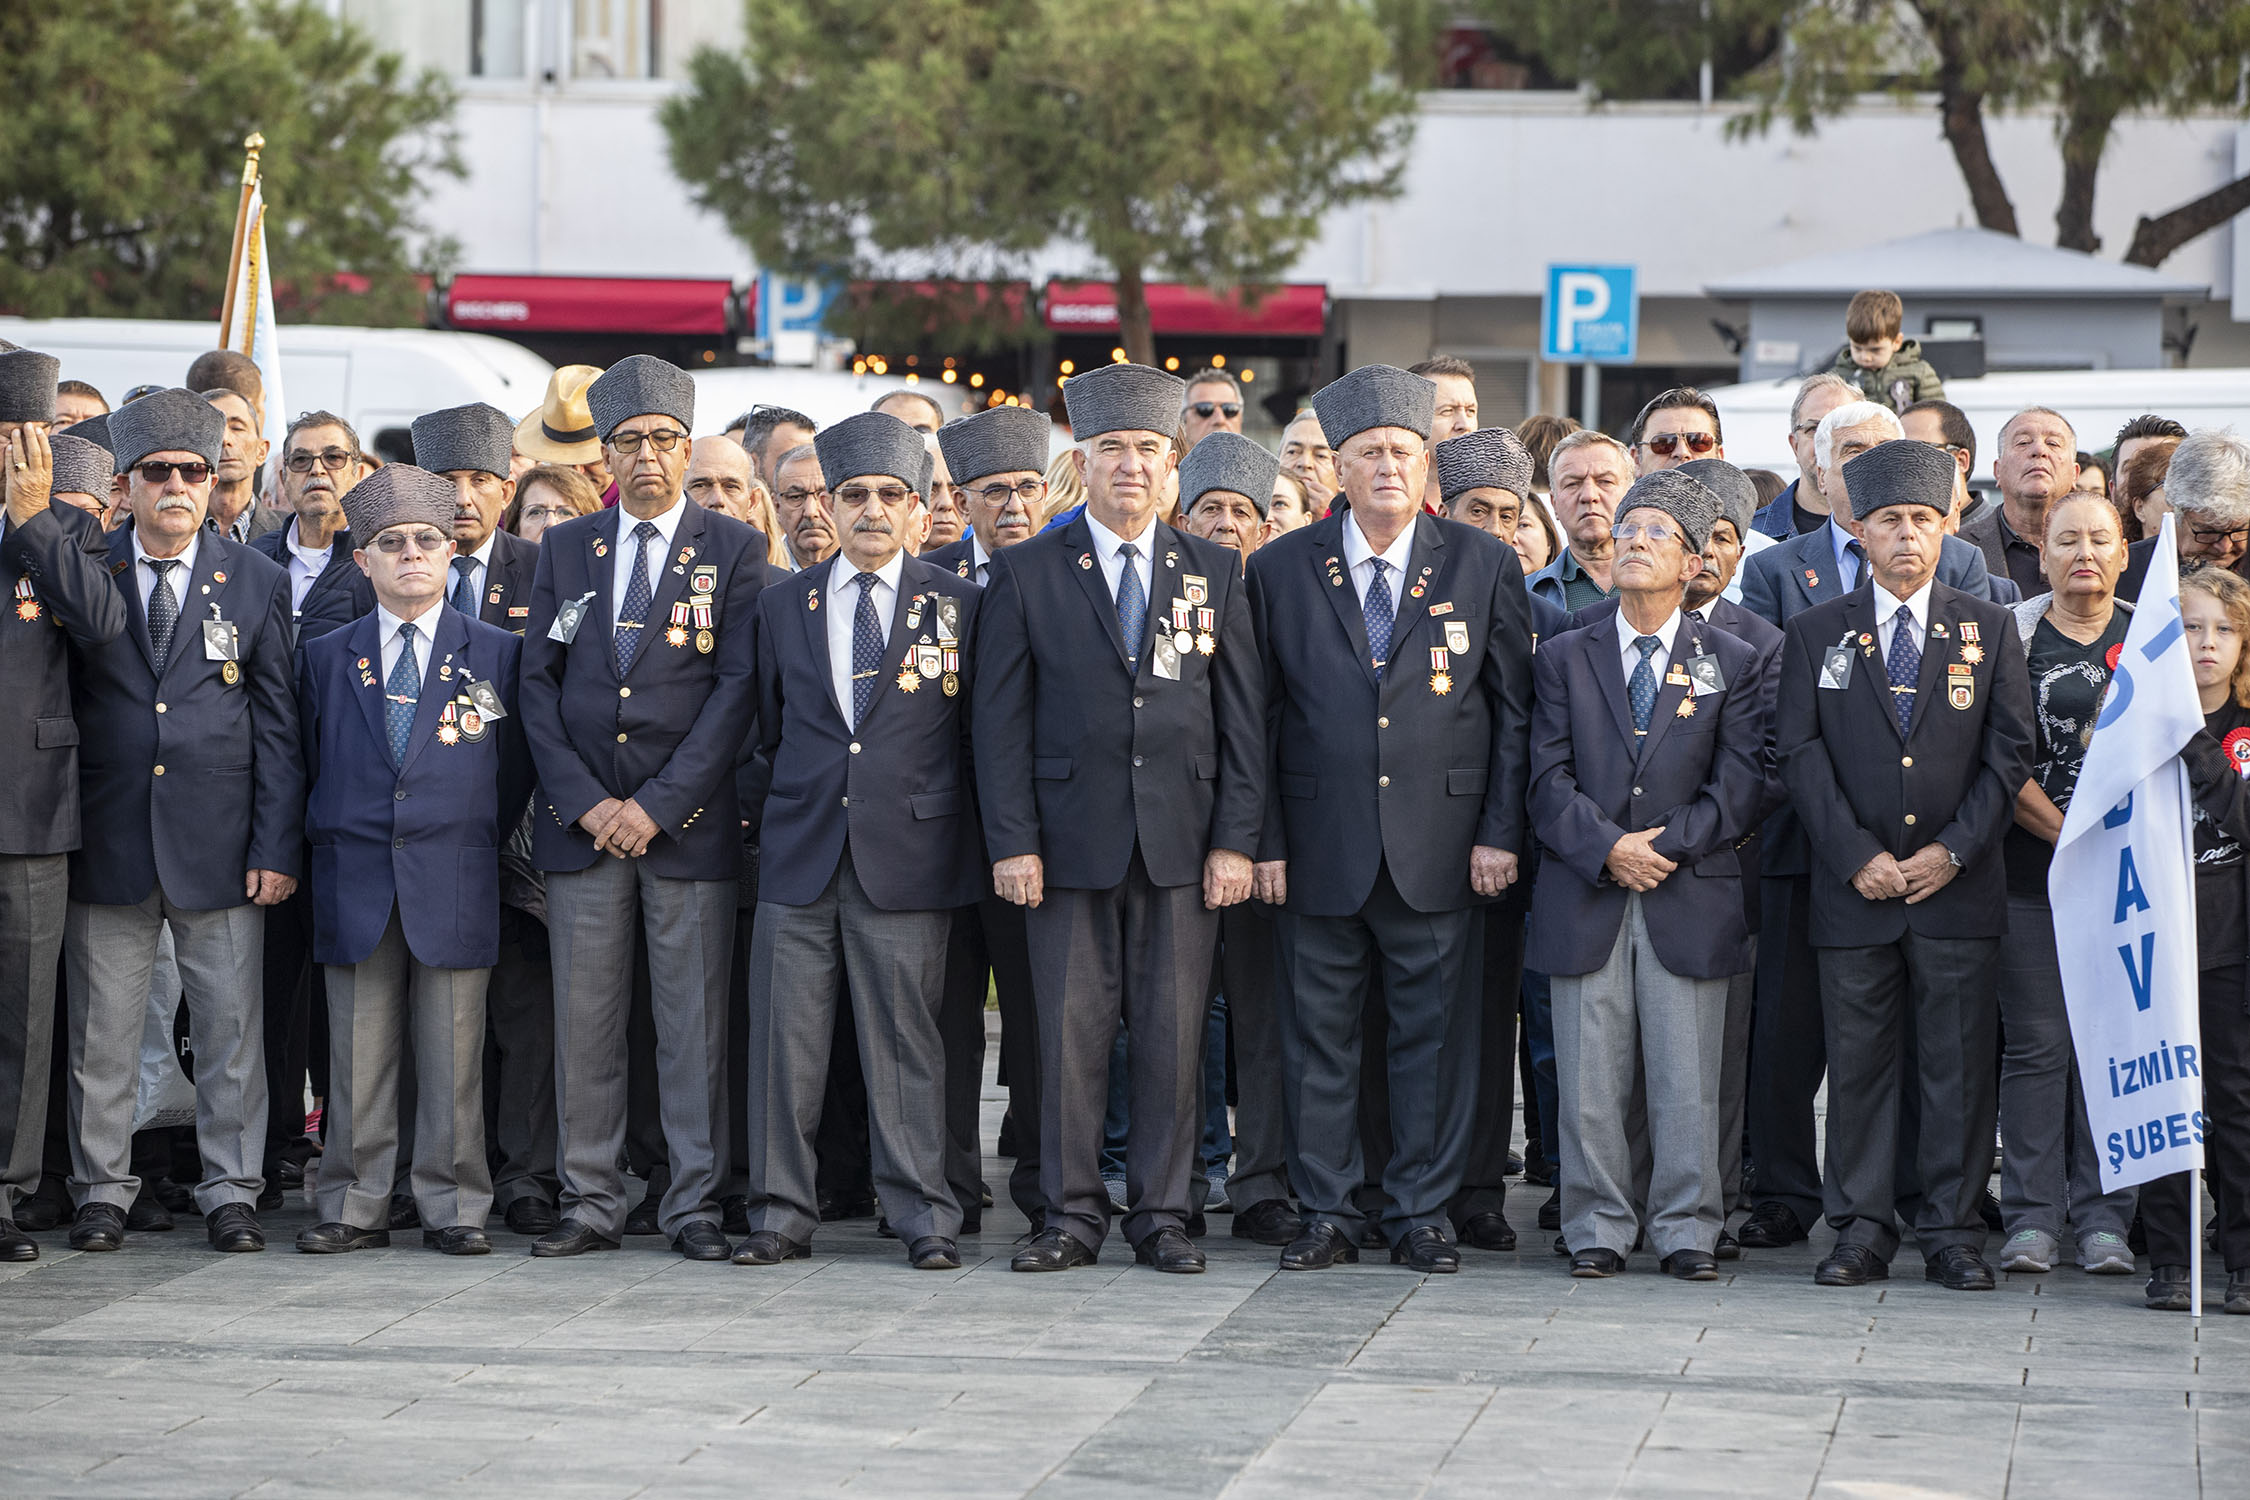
(2085, 137)
(1134, 329)
(2155, 239)
(1962, 114)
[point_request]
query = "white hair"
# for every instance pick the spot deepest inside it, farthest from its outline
(1852, 414)
(2210, 475)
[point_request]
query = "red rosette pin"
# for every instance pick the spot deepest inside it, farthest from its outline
(2237, 745)
(2110, 659)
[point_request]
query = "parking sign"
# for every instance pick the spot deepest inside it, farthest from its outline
(1593, 315)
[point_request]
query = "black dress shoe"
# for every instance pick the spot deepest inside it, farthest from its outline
(734, 1213)
(883, 1227)
(461, 1239)
(404, 1213)
(532, 1216)
(1515, 1165)
(334, 1238)
(176, 1196)
(1170, 1251)
(1728, 1248)
(1692, 1265)
(1318, 1248)
(1596, 1264)
(1053, 1250)
(1270, 1221)
(836, 1207)
(700, 1239)
(288, 1173)
(270, 1197)
(972, 1223)
(934, 1252)
(1371, 1236)
(1196, 1228)
(1488, 1231)
(233, 1230)
(1550, 1212)
(1957, 1268)
(1537, 1172)
(15, 1244)
(147, 1216)
(770, 1247)
(984, 1196)
(1848, 1265)
(98, 1226)
(570, 1237)
(1428, 1251)
(2168, 1289)
(1988, 1209)
(48, 1208)
(643, 1217)
(1772, 1226)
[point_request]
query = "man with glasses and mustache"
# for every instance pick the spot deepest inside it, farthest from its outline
(320, 462)
(194, 802)
(800, 503)
(1213, 403)
(638, 685)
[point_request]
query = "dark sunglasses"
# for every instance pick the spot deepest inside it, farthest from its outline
(1203, 409)
(1665, 444)
(159, 471)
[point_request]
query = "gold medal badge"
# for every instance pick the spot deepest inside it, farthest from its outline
(950, 683)
(1206, 643)
(1972, 653)
(909, 680)
(230, 673)
(1441, 683)
(675, 635)
(703, 642)
(1686, 710)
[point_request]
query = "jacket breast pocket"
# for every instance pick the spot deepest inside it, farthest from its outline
(1206, 768)
(1465, 781)
(1051, 768)
(939, 804)
(54, 734)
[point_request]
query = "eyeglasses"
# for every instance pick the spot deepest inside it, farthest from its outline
(158, 471)
(1203, 409)
(426, 539)
(664, 440)
(1627, 531)
(548, 513)
(860, 494)
(2212, 537)
(1026, 490)
(302, 461)
(801, 496)
(1665, 444)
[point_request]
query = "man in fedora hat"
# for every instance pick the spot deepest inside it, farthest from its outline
(562, 432)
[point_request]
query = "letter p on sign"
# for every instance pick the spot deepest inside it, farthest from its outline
(1592, 314)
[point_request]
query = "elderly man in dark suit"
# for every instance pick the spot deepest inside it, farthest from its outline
(638, 686)
(1648, 758)
(1397, 650)
(867, 847)
(195, 798)
(1903, 728)
(51, 574)
(417, 769)
(492, 567)
(1116, 663)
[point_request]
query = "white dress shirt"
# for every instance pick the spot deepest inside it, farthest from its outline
(480, 569)
(386, 633)
(628, 546)
(1106, 543)
(145, 575)
(1630, 654)
(305, 565)
(843, 611)
(1886, 615)
(1360, 555)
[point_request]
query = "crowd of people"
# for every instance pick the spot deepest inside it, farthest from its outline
(584, 803)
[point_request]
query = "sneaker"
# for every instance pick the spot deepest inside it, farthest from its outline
(2031, 1250)
(1215, 1201)
(2104, 1254)
(1116, 1186)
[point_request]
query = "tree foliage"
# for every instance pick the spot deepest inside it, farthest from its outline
(952, 139)
(122, 134)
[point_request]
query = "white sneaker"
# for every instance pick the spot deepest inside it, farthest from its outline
(2104, 1254)
(2030, 1250)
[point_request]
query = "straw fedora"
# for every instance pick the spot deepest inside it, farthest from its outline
(561, 431)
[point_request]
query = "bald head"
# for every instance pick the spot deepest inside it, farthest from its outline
(719, 476)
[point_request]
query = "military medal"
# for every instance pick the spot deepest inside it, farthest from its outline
(1960, 684)
(1457, 636)
(1441, 683)
(1182, 642)
(929, 661)
(1686, 710)
(950, 684)
(449, 729)
(704, 642)
(1206, 643)
(1197, 589)
(908, 679)
(675, 635)
(1973, 653)
(230, 673)
(952, 660)
(27, 608)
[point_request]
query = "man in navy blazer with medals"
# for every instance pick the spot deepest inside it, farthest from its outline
(638, 687)
(492, 567)
(1398, 658)
(1649, 764)
(1903, 729)
(1116, 664)
(194, 816)
(417, 770)
(52, 560)
(867, 846)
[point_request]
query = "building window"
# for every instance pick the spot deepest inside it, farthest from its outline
(614, 38)
(496, 38)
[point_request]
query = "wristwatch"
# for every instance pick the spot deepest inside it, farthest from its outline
(1953, 859)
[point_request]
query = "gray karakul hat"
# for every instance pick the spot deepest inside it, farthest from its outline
(874, 442)
(1679, 495)
(1228, 461)
(94, 430)
(166, 421)
(1123, 398)
(1490, 458)
(397, 495)
(1900, 472)
(1738, 497)
(1375, 396)
(929, 470)
(27, 385)
(81, 467)
(637, 386)
(476, 436)
(997, 440)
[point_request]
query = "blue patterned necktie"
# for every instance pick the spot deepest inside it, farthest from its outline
(163, 612)
(867, 649)
(402, 692)
(1380, 615)
(1859, 566)
(1132, 602)
(1641, 686)
(1905, 663)
(464, 597)
(634, 613)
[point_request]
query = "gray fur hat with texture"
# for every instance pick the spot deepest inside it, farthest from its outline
(873, 443)
(1228, 461)
(1488, 458)
(640, 385)
(1738, 497)
(997, 440)
(1900, 472)
(476, 436)
(1123, 398)
(27, 385)
(1681, 496)
(1375, 396)
(398, 495)
(166, 421)
(81, 467)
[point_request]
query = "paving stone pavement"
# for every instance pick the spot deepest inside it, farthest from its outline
(169, 1371)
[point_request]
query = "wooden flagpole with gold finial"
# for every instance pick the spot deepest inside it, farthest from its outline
(252, 144)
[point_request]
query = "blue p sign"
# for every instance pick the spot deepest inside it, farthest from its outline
(1592, 314)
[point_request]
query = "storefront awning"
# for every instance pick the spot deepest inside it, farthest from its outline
(1297, 310)
(588, 304)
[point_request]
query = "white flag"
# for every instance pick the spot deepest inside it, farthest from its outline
(253, 331)
(2123, 891)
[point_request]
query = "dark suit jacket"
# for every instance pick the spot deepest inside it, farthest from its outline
(1701, 778)
(1862, 789)
(958, 558)
(506, 600)
(213, 785)
(1365, 773)
(1781, 581)
(671, 734)
(426, 835)
(57, 593)
(1118, 757)
(340, 595)
(899, 788)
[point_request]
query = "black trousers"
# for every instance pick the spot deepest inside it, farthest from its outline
(1484, 1174)
(988, 947)
(1247, 973)
(1788, 1050)
(294, 984)
(2170, 1206)
(519, 1065)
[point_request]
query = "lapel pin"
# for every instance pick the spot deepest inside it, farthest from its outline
(1085, 561)
(1812, 579)
(217, 577)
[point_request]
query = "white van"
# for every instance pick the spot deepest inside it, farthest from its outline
(377, 379)
(826, 396)
(1755, 417)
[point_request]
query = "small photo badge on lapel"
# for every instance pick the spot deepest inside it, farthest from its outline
(484, 696)
(948, 617)
(1165, 657)
(1706, 675)
(221, 641)
(569, 615)
(1836, 667)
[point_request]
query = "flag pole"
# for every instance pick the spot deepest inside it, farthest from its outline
(2195, 1251)
(252, 144)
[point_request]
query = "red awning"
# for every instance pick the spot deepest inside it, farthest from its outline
(1298, 310)
(588, 304)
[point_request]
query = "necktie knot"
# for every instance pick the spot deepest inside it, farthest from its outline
(163, 567)
(1646, 645)
(866, 582)
(464, 565)
(406, 632)
(646, 531)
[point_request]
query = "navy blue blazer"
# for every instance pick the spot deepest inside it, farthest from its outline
(57, 595)
(424, 836)
(957, 557)
(1861, 788)
(190, 780)
(1700, 774)
(899, 789)
(1413, 771)
(1118, 757)
(671, 734)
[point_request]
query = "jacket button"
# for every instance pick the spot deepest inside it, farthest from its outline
(855, 747)
(624, 692)
(621, 739)
(399, 795)
(1384, 722)
(1907, 761)
(160, 708)
(1136, 760)
(160, 770)
(1910, 820)
(398, 843)
(847, 801)
(1136, 703)
(1636, 791)
(1382, 781)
